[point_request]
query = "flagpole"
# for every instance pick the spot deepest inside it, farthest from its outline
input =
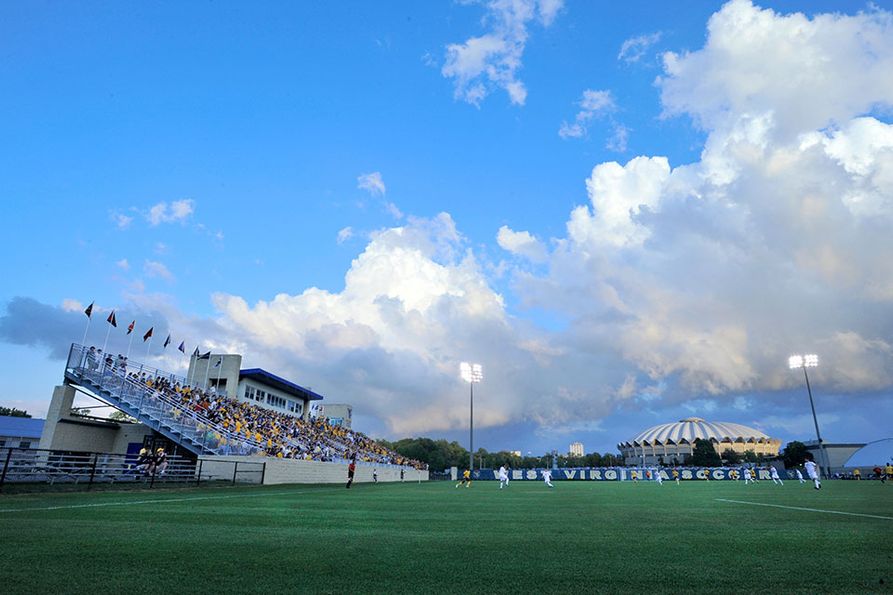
(149, 346)
(207, 373)
(129, 344)
(194, 356)
(219, 367)
(106, 343)
(84, 340)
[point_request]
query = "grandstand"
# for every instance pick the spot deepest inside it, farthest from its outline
(204, 422)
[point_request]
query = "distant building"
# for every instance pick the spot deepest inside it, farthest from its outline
(673, 443)
(873, 454)
(576, 449)
(224, 374)
(338, 414)
(838, 454)
(20, 432)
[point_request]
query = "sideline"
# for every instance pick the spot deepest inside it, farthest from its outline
(154, 501)
(870, 516)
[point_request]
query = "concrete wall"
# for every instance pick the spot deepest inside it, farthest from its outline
(63, 431)
(199, 369)
(341, 411)
(60, 406)
(280, 471)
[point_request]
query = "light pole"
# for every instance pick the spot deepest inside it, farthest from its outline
(471, 373)
(811, 361)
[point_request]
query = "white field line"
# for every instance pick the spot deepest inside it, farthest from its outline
(870, 516)
(155, 501)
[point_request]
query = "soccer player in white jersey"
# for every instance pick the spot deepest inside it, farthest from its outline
(503, 477)
(773, 472)
(748, 478)
(547, 477)
(799, 476)
(657, 477)
(812, 471)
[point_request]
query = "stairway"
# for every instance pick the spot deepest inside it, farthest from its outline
(189, 429)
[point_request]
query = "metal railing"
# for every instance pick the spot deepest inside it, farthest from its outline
(126, 388)
(86, 469)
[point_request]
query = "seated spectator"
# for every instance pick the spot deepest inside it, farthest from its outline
(160, 461)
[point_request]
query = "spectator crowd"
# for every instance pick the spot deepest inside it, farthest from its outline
(227, 422)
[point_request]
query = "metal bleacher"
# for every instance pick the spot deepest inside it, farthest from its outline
(123, 389)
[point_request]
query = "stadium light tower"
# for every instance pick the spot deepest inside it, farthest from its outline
(471, 373)
(811, 361)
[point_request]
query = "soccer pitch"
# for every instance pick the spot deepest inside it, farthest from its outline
(432, 537)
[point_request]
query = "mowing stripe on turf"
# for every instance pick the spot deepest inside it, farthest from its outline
(159, 500)
(870, 516)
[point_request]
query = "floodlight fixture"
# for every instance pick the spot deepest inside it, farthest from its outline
(811, 360)
(471, 373)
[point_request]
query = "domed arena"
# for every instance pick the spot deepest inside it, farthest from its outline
(673, 443)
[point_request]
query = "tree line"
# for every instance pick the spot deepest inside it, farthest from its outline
(704, 455)
(441, 454)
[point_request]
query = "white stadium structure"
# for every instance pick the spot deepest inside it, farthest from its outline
(674, 442)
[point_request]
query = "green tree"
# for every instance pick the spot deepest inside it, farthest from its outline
(794, 454)
(731, 457)
(121, 416)
(438, 454)
(13, 412)
(704, 455)
(751, 457)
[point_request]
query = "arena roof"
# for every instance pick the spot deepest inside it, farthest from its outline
(691, 428)
(21, 427)
(282, 384)
(873, 454)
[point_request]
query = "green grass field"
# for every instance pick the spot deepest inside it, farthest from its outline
(578, 537)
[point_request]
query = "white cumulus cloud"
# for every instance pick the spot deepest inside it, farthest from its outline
(595, 104)
(633, 49)
(493, 60)
(174, 212)
(372, 183)
(122, 221)
(72, 305)
(676, 284)
(521, 243)
(153, 268)
(344, 234)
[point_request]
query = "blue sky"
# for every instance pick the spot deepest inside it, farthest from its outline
(621, 209)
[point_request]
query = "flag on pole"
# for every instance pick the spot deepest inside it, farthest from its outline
(112, 320)
(205, 356)
(182, 347)
(89, 310)
(130, 327)
(219, 361)
(148, 334)
(167, 341)
(196, 352)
